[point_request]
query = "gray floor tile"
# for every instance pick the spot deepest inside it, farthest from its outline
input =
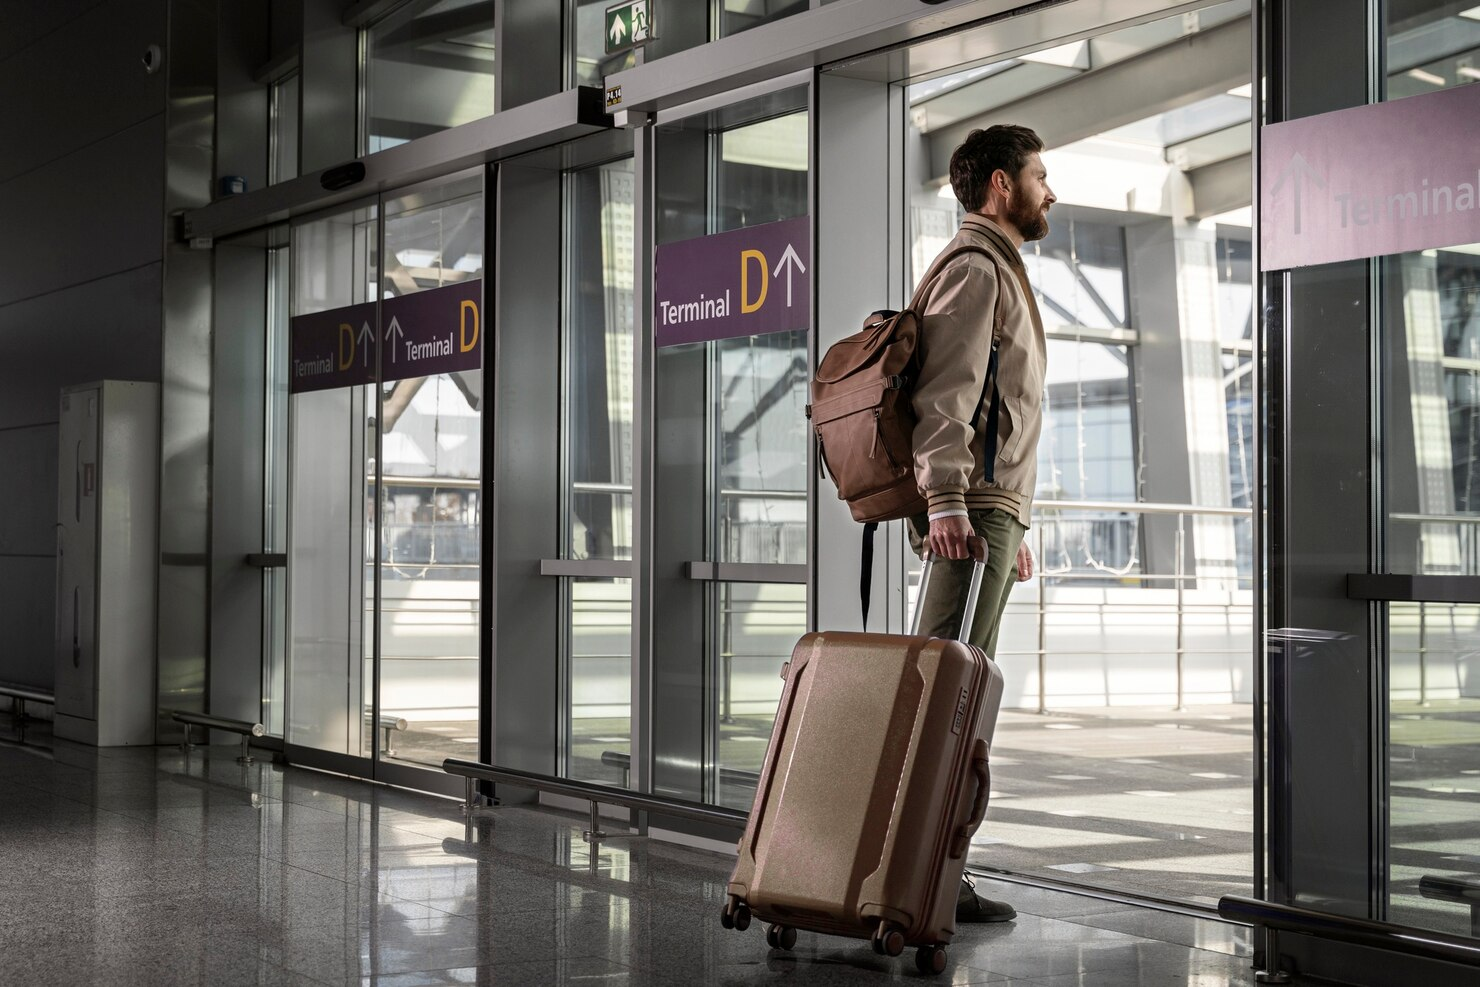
(150, 867)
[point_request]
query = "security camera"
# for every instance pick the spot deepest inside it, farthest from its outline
(153, 59)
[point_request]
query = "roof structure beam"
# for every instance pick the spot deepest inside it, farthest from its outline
(1200, 65)
(1222, 186)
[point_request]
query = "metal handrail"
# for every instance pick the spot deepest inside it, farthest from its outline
(597, 795)
(1140, 507)
(1362, 932)
(243, 727)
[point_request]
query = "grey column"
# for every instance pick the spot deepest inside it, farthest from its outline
(1183, 413)
(858, 259)
(523, 492)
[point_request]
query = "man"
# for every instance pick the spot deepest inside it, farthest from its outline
(976, 483)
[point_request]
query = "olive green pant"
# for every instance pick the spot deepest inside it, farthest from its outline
(950, 579)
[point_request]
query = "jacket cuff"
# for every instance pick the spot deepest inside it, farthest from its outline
(945, 500)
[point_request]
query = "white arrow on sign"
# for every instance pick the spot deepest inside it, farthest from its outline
(619, 29)
(364, 336)
(394, 328)
(790, 261)
(1298, 171)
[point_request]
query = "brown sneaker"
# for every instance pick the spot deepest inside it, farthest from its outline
(972, 907)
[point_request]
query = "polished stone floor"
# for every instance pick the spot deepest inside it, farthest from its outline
(145, 866)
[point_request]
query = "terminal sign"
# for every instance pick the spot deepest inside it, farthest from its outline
(1371, 180)
(437, 331)
(742, 283)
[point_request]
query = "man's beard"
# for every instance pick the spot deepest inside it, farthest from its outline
(1030, 222)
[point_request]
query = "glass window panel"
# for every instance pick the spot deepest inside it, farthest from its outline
(428, 67)
(758, 625)
(1434, 758)
(762, 397)
(283, 161)
(1087, 423)
(742, 15)
(599, 379)
(430, 498)
(1235, 259)
(1431, 45)
(600, 680)
(1078, 272)
(1433, 527)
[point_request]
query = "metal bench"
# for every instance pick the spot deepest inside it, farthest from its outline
(19, 696)
(247, 730)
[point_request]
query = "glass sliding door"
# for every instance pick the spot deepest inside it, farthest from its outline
(335, 270)
(1124, 755)
(731, 461)
(598, 469)
(1432, 340)
(428, 487)
(383, 390)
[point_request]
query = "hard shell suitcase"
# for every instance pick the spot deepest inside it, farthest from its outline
(874, 781)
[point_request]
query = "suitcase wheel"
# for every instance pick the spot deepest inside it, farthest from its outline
(888, 940)
(736, 915)
(781, 937)
(930, 960)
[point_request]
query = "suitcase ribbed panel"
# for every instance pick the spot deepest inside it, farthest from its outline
(837, 774)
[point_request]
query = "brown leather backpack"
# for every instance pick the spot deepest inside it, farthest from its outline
(862, 411)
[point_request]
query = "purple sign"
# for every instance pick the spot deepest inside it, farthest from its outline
(437, 331)
(1372, 180)
(741, 283)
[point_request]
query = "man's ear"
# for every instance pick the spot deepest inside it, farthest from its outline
(1000, 182)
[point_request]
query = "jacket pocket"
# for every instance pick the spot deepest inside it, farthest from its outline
(1010, 436)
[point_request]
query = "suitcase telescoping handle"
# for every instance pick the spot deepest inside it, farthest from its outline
(977, 546)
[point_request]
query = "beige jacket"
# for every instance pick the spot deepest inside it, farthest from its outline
(951, 398)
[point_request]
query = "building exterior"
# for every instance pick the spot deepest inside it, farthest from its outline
(441, 443)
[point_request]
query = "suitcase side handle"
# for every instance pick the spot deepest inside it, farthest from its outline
(982, 770)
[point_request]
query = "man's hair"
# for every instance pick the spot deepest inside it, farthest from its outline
(1004, 146)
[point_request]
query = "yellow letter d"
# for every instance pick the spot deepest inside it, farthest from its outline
(746, 305)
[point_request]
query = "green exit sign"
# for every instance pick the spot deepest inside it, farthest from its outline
(628, 25)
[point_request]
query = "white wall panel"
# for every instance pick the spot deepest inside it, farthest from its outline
(82, 83)
(94, 213)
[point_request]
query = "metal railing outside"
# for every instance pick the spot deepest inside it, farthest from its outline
(1126, 515)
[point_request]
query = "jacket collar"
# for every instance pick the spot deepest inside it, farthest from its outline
(982, 226)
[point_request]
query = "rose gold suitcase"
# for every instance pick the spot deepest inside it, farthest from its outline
(875, 779)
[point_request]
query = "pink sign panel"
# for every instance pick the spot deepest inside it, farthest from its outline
(1372, 180)
(437, 331)
(742, 283)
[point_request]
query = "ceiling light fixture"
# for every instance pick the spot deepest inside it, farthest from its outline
(1429, 77)
(1473, 13)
